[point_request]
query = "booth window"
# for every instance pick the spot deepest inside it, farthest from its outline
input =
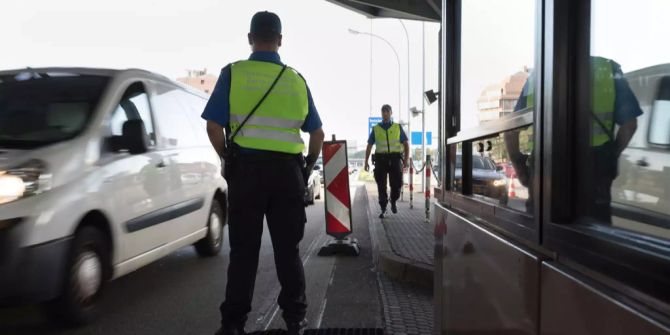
(623, 160)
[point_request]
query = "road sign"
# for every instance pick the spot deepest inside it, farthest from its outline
(372, 121)
(338, 199)
(416, 138)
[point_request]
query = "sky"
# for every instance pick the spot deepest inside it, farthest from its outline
(634, 34)
(350, 76)
(494, 46)
(169, 37)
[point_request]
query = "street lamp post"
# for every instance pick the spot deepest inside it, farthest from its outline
(423, 138)
(423, 102)
(409, 116)
(356, 32)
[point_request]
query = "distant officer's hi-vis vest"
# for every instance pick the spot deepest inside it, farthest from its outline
(275, 126)
(387, 141)
(603, 95)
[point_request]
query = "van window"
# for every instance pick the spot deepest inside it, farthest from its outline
(38, 109)
(195, 105)
(134, 105)
(620, 183)
(171, 112)
(478, 163)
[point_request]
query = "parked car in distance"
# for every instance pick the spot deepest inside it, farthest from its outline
(101, 173)
(313, 187)
(319, 163)
(488, 179)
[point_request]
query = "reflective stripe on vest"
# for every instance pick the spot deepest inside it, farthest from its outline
(603, 96)
(387, 141)
(275, 126)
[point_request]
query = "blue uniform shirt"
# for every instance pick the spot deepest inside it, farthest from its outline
(386, 126)
(218, 106)
(626, 106)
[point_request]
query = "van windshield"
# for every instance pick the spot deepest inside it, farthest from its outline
(38, 109)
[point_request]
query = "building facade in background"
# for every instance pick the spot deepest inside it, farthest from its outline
(199, 79)
(499, 99)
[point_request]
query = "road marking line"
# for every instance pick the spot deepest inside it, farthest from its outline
(306, 258)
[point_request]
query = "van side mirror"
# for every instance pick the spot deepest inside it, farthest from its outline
(135, 137)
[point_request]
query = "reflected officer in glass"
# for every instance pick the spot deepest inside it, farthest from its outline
(391, 156)
(614, 112)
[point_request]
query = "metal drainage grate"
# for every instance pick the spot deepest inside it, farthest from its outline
(327, 331)
(345, 331)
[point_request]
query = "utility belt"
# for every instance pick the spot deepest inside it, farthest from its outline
(606, 161)
(386, 157)
(236, 156)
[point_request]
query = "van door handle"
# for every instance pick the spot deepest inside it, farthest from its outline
(161, 164)
(642, 162)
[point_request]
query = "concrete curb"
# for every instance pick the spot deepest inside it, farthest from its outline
(395, 266)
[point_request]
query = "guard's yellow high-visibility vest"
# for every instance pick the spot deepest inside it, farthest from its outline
(603, 96)
(275, 126)
(387, 141)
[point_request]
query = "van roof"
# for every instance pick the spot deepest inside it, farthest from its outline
(104, 72)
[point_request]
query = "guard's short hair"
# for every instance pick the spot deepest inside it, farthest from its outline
(386, 108)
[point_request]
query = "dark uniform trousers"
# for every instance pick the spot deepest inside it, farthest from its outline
(605, 170)
(388, 165)
(271, 186)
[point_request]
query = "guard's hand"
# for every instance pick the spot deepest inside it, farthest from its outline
(305, 175)
(405, 163)
(367, 167)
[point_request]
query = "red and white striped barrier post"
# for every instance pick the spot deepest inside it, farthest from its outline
(428, 168)
(402, 189)
(512, 189)
(338, 200)
(411, 183)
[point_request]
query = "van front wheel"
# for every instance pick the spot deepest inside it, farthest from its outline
(84, 279)
(210, 245)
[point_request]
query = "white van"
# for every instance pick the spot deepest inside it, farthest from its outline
(101, 173)
(641, 193)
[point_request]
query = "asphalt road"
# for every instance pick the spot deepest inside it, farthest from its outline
(180, 294)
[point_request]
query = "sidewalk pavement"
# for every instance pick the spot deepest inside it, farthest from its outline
(403, 242)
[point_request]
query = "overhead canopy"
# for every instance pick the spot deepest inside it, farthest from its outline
(423, 10)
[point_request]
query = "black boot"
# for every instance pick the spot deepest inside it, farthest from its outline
(394, 209)
(295, 328)
(381, 216)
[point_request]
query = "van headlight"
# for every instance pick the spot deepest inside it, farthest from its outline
(499, 182)
(28, 179)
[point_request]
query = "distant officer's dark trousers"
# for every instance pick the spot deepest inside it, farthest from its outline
(388, 165)
(270, 186)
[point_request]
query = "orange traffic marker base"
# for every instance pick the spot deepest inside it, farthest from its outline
(346, 246)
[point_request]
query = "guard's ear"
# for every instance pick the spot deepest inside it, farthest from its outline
(250, 38)
(279, 40)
